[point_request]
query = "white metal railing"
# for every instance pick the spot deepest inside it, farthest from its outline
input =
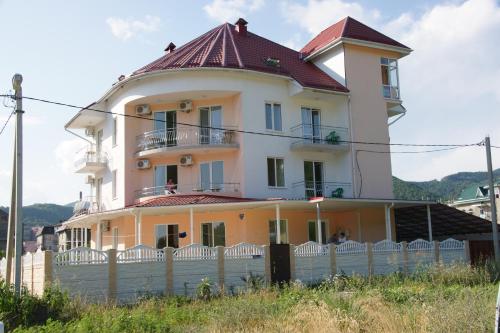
(420, 245)
(90, 155)
(351, 247)
(308, 189)
(79, 256)
(243, 250)
(195, 252)
(311, 249)
(186, 136)
(87, 205)
(140, 253)
(318, 134)
(387, 246)
(226, 188)
(451, 244)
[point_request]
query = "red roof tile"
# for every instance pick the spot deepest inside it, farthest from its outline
(190, 199)
(224, 47)
(348, 28)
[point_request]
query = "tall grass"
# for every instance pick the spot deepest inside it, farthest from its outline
(438, 299)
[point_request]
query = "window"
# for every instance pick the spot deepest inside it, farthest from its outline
(213, 234)
(390, 78)
(311, 124)
(211, 124)
(273, 116)
(114, 131)
(313, 234)
(283, 231)
(164, 173)
(167, 235)
(113, 184)
(275, 172)
(212, 176)
(165, 125)
(313, 179)
(115, 238)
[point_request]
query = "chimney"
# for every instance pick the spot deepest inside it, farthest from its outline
(241, 27)
(170, 48)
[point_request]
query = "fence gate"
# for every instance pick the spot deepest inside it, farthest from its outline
(480, 250)
(280, 262)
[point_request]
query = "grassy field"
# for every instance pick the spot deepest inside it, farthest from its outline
(452, 299)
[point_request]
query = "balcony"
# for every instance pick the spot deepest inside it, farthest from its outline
(186, 138)
(231, 189)
(91, 161)
(317, 138)
(309, 189)
(87, 205)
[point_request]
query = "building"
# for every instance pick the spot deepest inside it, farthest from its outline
(46, 239)
(475, 200)
(217, 140)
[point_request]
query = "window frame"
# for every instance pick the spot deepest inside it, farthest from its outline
(286, 231)
(325, 235)
(388, 68)
(274, 158)
(166, 225)
(212, 228)
(273, 110)
(211, 175)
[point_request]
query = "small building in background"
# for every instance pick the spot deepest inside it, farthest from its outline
(475, 200)
(46, 239)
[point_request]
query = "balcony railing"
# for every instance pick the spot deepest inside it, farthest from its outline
(186, 136)
(87, 205)
(222, 188)
(309, 189)
(90, 160)
(308, 135)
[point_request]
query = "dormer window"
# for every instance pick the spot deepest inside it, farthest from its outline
(390, 78)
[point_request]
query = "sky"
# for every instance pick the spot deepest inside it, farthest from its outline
(72, 51)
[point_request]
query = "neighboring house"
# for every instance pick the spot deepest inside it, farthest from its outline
(69, 238)
(3, 230)
(193, 171)
(46, 239)
(475, 200)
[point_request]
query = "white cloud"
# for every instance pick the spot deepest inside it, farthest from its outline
(295, 42)
(66, 154)
(316, 15)
(125, 29)
(231, 10)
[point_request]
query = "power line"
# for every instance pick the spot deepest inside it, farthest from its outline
(415, 152)
(245, 131)
(6, 122)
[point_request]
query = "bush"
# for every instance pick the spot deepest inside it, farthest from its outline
(204, 289)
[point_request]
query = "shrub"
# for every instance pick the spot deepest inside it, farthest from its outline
(204, 289)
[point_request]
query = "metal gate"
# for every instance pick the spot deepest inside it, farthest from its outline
(280, 263)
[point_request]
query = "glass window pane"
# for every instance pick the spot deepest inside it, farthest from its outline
(161, 236)
(323, 232)
(271, 176)
(269, 116)
(159, 120)
(205, 123)
(384, 61)
(312, 231)
(217, 174)
(160, 177)
(394, 77)
(205, 176)
(277, 117)
(385, 74)
(219, 234)
(283, 232)
(272, 232)
(206, 232)
(280, 172)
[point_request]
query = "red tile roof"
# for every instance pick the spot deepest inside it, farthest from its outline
(190, 199)
(348, 28)
(225, 47)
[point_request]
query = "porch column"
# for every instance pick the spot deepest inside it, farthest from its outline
(388, 231)
(278, 224)
(318, 221)
(99, 236)
(191, 225)
(85, 236)
(72, 238)
(138, 228)
(429, 222)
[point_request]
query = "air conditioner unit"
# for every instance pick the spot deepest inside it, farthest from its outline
(143, 164)
(89, 131)
(105, 225)
(186, 160)
(89, 180)
(143, 110)
(186, 106)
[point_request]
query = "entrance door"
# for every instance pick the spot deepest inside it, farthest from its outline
(280, 263)
(210, 121)
(311, 124)
(313, 179)
(164, 173)
(165, 123)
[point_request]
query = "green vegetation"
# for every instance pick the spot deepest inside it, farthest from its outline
(439, 299)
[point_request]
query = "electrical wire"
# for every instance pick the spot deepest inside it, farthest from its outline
(244, 131)
(6, 122)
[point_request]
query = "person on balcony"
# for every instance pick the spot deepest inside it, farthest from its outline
(170, 187)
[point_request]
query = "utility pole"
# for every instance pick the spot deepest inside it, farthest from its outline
(491, 191)
(17, 80)
(12, 223)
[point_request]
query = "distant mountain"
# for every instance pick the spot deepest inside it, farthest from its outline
(446, 189)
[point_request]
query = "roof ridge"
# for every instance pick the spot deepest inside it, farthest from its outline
(238, 57)
(211, 48)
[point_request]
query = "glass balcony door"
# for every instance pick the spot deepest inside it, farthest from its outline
(165, 180)
(212, 176)
(210, 120)
(313, 179)
(165, 124)
(311, 124)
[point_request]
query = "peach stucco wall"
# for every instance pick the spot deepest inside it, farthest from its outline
(254, 226)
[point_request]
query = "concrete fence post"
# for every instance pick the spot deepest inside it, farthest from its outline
(267, 264)
(169, 266)
(292, 263)
(32, 266)
(220, 266)
(436, 251)
(404, 253)
(467, 251)
(333, 258)
(48, 274)
(369, 252)
(112, 278)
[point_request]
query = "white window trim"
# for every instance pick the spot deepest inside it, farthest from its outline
(389, 78)
(276, 174)
(286, 230)
(210, 106)
(273, 130)
(213, 233)
(153, 116)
